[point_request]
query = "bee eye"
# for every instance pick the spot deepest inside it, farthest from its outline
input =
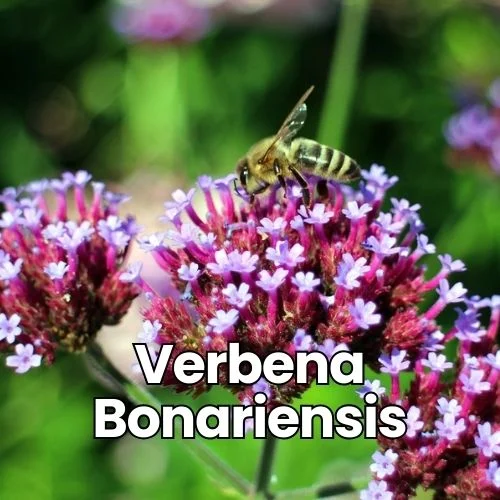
(243, 176)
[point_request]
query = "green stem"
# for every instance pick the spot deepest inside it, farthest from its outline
(343, 72)
(265, 468)
(138, 395)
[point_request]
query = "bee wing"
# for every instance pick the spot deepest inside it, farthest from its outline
(293, 122)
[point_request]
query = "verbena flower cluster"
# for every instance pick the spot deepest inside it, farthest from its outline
(160, 21)
(452, 444)
(474, 133)
(60, 275)
(276, 275)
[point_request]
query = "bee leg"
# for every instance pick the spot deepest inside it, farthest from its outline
(306, 194)
(279, 175)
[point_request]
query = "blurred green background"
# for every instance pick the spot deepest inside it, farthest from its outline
(76, 94)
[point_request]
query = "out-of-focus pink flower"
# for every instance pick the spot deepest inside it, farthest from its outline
(161, 21)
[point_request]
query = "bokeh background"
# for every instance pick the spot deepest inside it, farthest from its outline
(148, 95)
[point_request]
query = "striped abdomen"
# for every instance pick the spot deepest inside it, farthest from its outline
(323, 161)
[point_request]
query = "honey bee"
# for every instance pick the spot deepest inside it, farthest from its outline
(282, 156)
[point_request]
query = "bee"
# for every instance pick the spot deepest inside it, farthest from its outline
(283, 156)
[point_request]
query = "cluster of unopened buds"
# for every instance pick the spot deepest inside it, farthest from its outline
(60, 268)
(474, 133)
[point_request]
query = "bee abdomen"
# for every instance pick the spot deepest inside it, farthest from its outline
(342, 167)
(324, 161)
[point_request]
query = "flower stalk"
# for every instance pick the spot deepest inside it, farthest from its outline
(343, 72)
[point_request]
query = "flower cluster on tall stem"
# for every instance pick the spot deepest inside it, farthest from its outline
(452, 444)
(275, 275)
(474, 133)
(60, 276)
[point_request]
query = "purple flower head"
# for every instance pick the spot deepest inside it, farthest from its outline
(473, 134)
(275, 275)
(60, 276)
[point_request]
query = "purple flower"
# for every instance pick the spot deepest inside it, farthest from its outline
(377, 490)
(9, 327)
(450, 265)
(262, 386)
(493, 473)
(395, 363)
(355, 212)
(388, 224)
(350, 270)
(383, 247)
(302, 341)
(445, 406)
(149, 331)
(132, 274)
(56, 270)
(371, 386)
(224, 320)
(363, 313)
(189, 273)
(378, 177)
(318, 214)
(9, 270)
(449, 428)
(272, 227)
(24, 359)
(451, 295)
(221, 265)
(242, 262)
(473, 382)
(383, 463)
(270, 282)
(413, 422)
(306, 282)
(329, 348)
(437, 362)
(237, 296)
(282, 256)
(487, 440)
(494, 360)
